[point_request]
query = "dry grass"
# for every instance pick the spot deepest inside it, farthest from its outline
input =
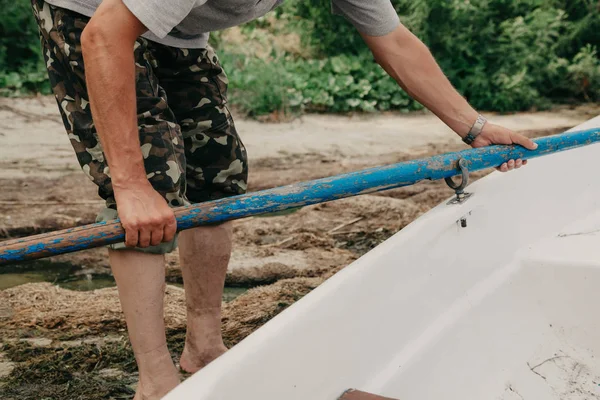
(253, 309)
(42, 309)
(52, 310)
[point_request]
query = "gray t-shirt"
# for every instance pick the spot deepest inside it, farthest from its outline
(186, 23)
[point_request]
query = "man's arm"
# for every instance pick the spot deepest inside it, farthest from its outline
(107, 46)
(406, 59)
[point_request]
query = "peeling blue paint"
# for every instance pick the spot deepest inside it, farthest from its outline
(296, 195)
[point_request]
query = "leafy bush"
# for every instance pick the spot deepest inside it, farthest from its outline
(21, 64)
(257, 87)
(338, 84)
(585, 73)
(503, 55)
(329, 33)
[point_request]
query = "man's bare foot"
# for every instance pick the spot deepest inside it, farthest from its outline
(151, 391)
(193, 361)
(158, 375)
(156, 393)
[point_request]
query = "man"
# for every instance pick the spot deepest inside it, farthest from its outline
(156, 90)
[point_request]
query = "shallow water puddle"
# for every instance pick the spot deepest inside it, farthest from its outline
(65, 275)
(71, 277)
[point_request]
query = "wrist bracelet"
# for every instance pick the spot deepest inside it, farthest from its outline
(475, 129)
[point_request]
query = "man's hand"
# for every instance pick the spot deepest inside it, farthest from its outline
(495, 134)
(147, 218)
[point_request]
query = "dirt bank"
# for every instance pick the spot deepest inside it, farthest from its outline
(63, 344)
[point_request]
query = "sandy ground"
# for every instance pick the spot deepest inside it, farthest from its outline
(43, 189)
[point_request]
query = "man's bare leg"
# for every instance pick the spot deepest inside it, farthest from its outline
(204, 255)
(141, 282)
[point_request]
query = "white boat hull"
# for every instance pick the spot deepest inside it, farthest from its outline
(506, 308)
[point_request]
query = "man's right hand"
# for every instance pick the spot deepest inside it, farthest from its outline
(147, 218)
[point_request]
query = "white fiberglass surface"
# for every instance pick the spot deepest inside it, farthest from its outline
(440, 311)
(534, 337)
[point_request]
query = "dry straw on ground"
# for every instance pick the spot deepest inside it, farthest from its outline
(58, 312)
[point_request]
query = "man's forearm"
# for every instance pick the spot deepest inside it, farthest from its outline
(410, 63)
(110, 77)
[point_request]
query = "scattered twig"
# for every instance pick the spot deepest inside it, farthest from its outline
(515, 392)
(542, 363)
(561, 235)
(279, 243)
(345, 224)
(29, 116)
(535, 372)
(68, 217)
(347, 232)
(239, 221)
(545, 361)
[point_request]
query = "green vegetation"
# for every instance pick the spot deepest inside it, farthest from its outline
(503, 55)
(21, 64)
(340, 83)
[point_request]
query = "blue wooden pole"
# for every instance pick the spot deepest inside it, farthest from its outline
(295, 195)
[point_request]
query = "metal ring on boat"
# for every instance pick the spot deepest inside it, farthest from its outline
(462, 166)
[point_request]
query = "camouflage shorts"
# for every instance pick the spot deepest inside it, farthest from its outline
(190, 146)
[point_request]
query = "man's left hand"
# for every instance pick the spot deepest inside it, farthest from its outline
(495, 134)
